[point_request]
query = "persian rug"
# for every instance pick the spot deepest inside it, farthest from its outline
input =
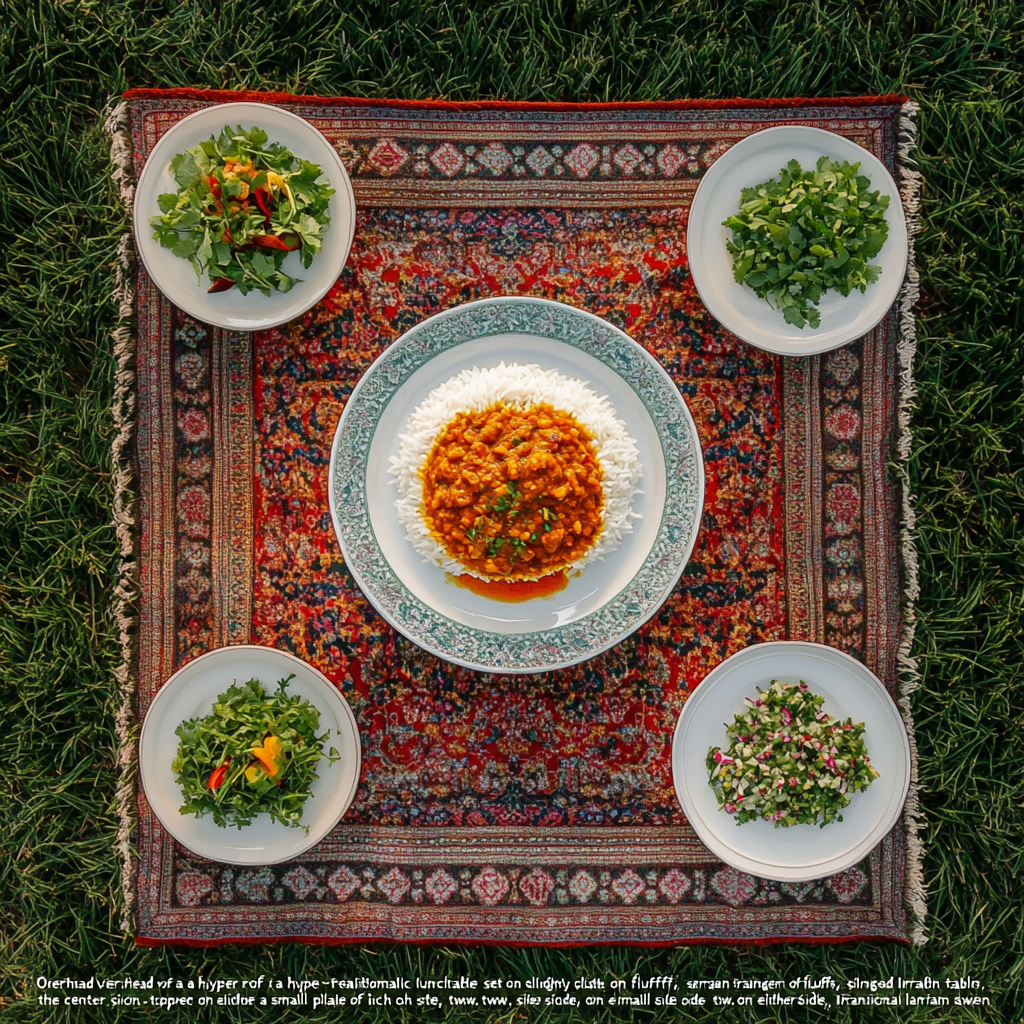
(509, 809)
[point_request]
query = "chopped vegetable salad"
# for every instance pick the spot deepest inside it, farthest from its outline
(788, 761)
(253, 754)
(242, 205)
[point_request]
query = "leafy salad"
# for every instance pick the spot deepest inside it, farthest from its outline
(254, 754)
(243, 203)
(805, 232)
(788, 761)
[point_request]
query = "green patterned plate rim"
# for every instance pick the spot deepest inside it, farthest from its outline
(573, 642)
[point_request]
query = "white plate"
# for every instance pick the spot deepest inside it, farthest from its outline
(608, 599)
(176, 278)
(760, 157)
(190, 693)
(800, 852)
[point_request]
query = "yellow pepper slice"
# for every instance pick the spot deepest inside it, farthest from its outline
(277, 181)
(269, 755)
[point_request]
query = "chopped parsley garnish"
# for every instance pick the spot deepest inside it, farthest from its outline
(507, 501)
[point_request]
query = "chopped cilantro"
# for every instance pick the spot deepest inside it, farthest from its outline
(798, 235)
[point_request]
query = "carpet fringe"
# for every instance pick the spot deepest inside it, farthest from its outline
(910, 676)
(117, 125)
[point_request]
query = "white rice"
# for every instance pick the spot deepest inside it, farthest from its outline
(522, 387)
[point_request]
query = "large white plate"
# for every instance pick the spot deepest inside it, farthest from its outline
(176, 278)
(758, 158)
(607, 600)
(800, 852)
(190, 693)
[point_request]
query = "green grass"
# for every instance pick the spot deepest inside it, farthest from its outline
(61, 61)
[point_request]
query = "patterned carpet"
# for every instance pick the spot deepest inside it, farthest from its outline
(512, 809)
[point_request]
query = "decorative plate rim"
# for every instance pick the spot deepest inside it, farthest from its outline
(812, 344)
(543, 650)
(331, 692)
(194, 305)
(762, 869)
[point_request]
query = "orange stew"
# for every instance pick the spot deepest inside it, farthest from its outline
(513, 493)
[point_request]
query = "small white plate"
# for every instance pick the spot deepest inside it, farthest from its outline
(175, 277)
(190, 693)
(801, 852)
(758, 158)
(609, 599)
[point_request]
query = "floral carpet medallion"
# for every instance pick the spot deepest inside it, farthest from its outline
(497, 808)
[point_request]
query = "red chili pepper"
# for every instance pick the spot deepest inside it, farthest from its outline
(285, 243)
(216, 779)
(222, 284)
(214, 185)
(263, 197)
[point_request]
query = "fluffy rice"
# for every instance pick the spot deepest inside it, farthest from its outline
(520, 386)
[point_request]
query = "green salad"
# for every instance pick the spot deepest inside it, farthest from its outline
(242, 205)
(788, 761)
(254, 754)
(805, 232)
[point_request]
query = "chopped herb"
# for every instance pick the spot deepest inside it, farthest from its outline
(508, 501)
(805, 232)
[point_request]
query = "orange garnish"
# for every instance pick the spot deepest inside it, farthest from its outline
(269, 755)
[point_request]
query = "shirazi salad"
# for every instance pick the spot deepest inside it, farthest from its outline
(253, 754)
(788, 761)
(243, 203)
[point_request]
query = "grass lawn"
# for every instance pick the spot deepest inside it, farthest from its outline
(61, 61)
